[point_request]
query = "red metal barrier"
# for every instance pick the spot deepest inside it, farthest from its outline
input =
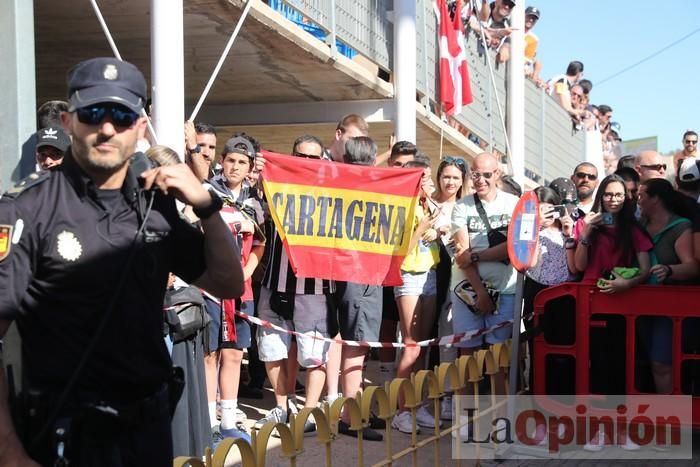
(572, 306)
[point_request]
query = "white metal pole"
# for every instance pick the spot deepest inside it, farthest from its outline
(516, 94)
(405, 70)
(167, 73)
(118, 56)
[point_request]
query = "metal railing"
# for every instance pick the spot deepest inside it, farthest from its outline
(465, 372)
(551, 148)
(363, 25)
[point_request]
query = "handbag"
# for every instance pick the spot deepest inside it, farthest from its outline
(466, 293)
(186, 313)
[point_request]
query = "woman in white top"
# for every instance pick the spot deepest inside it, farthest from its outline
(452, 177)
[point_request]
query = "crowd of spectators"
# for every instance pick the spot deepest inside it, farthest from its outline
(456, 277)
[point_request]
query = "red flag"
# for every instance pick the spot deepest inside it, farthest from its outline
(340, 221)
(455, 90)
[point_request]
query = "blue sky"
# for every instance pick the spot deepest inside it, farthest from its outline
(658, 97)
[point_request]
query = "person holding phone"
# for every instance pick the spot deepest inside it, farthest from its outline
(667, 219)
(610, 236)
(555, 254)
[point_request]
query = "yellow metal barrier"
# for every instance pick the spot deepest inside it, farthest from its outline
(464, 374)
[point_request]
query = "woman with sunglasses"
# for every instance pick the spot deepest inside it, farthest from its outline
(452, 176)
(608, 237)
(666, 217)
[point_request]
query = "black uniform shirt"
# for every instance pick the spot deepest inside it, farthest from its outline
(68, 246)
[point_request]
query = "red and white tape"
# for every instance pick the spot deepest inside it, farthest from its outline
(445, 341)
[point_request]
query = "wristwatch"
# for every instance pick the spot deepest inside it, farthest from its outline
(214, 206)
(475, 257)
(569, 243)
(195, 150)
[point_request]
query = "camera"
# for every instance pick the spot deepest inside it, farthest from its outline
(562, 210)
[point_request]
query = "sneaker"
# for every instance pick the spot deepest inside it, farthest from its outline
(216, 438)
(376, 423)
(446, 408)
(402, 422)
(425, 418)
(276, 415)
(328, 401)
(235, 433)
(629, 445)
(367, 433)
(597, 443)
(309, 428)
(540, 434)
(500, 431)
(464, 430)
(292, 408)
(241, 417)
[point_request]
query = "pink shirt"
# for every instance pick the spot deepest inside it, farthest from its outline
(603, 254)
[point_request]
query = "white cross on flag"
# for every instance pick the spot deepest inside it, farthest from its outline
(455, 90)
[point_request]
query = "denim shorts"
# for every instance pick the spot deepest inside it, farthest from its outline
(463, 320)
(417, 283)
(243, 332)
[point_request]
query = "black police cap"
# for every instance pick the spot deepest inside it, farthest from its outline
(106, 79)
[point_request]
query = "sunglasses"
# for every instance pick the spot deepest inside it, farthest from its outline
(509, 4)
(585, 175)
(691, 141)
(454, 160)
(657, 167)
(478, 175)
(120, 116)
(308, 156)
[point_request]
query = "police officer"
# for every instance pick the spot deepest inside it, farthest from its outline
(85, 251)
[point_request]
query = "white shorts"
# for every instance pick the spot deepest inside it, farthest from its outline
(310, 319)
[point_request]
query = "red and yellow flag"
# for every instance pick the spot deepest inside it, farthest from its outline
(339, 221)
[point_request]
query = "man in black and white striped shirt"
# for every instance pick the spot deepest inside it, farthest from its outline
(295, 303)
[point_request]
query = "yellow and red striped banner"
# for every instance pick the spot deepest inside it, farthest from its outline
(339, 221)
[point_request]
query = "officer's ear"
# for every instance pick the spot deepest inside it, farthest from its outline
(66, 122)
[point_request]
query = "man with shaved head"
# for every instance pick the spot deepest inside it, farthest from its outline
(483, 283)
(650, 165)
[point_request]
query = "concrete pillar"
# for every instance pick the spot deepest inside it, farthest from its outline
(516, 94)
(167, 73)
(18, 109)
(405, 70)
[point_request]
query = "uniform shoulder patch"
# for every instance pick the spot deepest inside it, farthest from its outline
(5, 243)
(29, 181)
